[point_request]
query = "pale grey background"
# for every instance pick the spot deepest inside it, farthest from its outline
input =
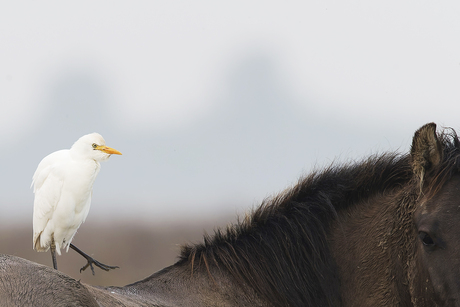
(216, 106)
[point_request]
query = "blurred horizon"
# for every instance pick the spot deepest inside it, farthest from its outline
(138, 249)
(215, 106)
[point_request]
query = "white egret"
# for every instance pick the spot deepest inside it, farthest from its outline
(63, 184)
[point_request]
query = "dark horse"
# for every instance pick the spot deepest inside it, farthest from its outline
(384, 232)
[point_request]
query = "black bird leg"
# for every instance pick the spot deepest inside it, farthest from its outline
(91, 261)
(53, 253)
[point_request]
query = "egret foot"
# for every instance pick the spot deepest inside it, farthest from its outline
(92, 261)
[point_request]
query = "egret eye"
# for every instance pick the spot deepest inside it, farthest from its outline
(94, 145)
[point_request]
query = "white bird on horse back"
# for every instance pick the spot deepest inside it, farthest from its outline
(63, 185)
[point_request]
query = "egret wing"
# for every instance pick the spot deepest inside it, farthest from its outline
(47, 182)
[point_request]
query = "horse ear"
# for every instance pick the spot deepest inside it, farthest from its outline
(426, 151)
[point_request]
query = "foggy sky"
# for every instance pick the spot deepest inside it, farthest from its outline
(216, 107)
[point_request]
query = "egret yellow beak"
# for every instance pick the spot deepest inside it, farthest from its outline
(108, 150)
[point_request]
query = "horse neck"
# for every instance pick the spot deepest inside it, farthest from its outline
(370, 244)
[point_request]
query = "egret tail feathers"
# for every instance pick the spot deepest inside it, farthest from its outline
(37, 245)
(40, 246)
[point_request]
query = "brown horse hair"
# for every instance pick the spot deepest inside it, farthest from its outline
(281, 248)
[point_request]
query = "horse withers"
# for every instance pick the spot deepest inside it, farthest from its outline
(382, 232)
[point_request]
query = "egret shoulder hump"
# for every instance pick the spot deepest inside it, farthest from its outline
(46, 165)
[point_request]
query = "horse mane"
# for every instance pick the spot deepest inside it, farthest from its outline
(281, 250)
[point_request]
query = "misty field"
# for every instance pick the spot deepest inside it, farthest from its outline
(137, 248)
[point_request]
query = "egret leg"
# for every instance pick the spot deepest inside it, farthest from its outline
(53, 253)
(91, 261)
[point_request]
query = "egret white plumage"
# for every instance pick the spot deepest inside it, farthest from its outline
(63, 185)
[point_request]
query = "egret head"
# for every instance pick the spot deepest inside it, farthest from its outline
(93, 146)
